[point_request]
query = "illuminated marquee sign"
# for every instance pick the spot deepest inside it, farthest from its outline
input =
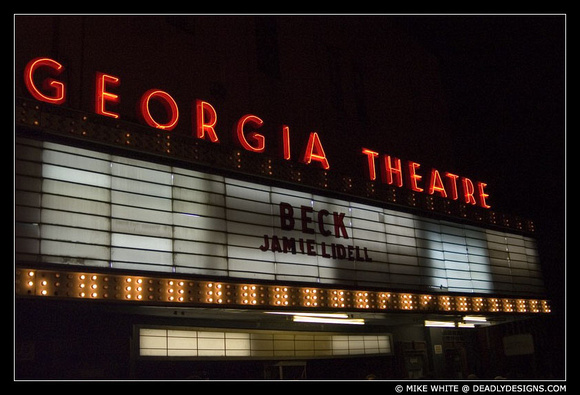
(392, 170)
(82, 208)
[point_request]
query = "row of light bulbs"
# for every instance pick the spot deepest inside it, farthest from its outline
(65, 284)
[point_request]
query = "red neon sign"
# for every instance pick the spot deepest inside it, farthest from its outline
(168, 103)
(258, 142)
(371, 155)
(482, 195)
(453, 185)
(205, 128)
(436, 184)
(314, 151)
(392, 174)
(286, 142)
(468, 191)
(204, 117)
(414, 178)
(102, 95)
(389, 170)
(57, 89)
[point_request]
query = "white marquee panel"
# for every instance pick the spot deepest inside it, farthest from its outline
(76, 206)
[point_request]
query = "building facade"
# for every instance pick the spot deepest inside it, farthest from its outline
(227, 198)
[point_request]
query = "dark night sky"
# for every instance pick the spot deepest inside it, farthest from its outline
(504, 81)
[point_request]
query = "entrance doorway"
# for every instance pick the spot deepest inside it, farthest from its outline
(285, 370)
